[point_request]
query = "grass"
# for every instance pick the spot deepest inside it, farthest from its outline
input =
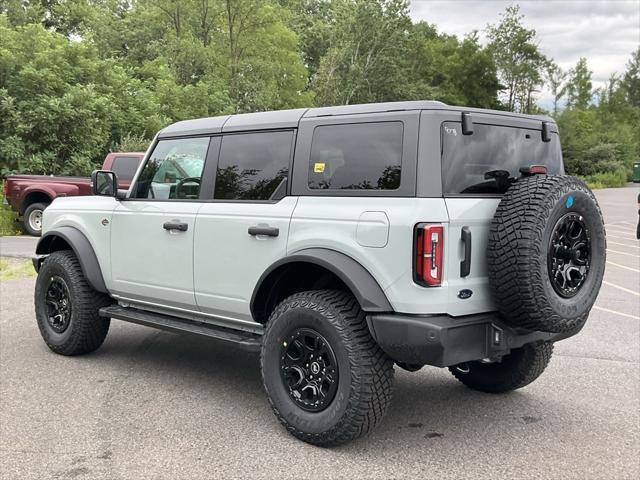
(12, 268)
(606, 179)
(8, 223)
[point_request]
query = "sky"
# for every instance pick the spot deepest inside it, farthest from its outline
(603, 31)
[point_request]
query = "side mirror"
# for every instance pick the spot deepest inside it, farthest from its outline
(104, 182)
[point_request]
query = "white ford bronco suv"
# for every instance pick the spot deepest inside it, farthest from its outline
(336, 242)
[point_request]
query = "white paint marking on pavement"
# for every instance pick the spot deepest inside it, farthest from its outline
(619, 229)
(632, 292)
(623, 266)
(635, 317)
(620, 232)
(623, 244)
(618, 236)
(623, 253)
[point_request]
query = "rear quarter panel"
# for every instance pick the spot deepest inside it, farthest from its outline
(337, 223)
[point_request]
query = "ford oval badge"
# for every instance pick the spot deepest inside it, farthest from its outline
(464, 294)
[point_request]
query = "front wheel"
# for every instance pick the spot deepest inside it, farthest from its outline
(327, 380)
(515, 370)
(67, 306)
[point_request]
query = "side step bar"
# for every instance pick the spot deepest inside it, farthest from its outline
(244, 340)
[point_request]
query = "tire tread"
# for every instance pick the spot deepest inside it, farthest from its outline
(371, 369)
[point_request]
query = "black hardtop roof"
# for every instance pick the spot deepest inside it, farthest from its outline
(290, 118)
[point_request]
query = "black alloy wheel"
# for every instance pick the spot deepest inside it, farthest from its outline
(309, 369)
(67, 307)
(569, 254)
(546, 253)
(58, 304)
(327, 380)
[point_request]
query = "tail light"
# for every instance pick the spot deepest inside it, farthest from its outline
(429, 254)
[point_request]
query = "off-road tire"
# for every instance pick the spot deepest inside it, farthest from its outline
(26, 223)
(519, 241)
(365, 372)
(516, 370)
(86, 330)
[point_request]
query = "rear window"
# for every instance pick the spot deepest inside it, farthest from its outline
(363, 156)
(489, 160)
(125, 167)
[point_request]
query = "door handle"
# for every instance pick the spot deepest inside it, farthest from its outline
(181, 227)
(465, 265)
(268, 231)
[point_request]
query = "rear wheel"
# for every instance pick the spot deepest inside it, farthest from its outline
(67, 306)
(516, 370)
(327, 381)
(32, 219)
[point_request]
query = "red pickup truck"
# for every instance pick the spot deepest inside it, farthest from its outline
(29, 195)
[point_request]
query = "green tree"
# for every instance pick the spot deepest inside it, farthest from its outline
(313, 21)
(518, 59)
(631, 80)
(556, 78)
(62, 106)
(365, 60)
(579, 86)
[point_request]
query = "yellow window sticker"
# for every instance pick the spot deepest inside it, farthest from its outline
(318, 167)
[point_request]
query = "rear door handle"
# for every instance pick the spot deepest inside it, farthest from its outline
(465, 265)
(268, 231)
(181, 227)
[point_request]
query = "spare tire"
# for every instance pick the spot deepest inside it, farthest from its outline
(546, 253)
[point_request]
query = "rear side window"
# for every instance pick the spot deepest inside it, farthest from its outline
(363, 156)
(489, 160)
(125, 167)
(253, 166)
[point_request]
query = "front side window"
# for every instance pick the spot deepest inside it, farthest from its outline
(174, 170)
(253, 166)
(489, 160)
(363, 156)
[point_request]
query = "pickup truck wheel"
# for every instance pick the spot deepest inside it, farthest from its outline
(67, 307)
(327, 380)
(515, 370)
(546, 253)
(32, 219)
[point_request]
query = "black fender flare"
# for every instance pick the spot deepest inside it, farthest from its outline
(82, 249)
(364, 287)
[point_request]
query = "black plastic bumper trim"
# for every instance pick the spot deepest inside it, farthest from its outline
(443, 340)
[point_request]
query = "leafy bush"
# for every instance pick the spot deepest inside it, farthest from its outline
(8, 217)
(130, 142)
(617, 178)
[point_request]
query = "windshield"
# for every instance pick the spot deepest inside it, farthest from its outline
(489, 160)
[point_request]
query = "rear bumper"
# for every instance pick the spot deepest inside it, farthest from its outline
(442, 340)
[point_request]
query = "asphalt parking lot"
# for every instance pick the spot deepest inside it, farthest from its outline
(151, 404)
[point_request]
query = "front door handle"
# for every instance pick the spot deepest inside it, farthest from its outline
(268, 231)
(465, 265)
(181, 227)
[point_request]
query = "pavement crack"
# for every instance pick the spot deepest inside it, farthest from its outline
(587, 357)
